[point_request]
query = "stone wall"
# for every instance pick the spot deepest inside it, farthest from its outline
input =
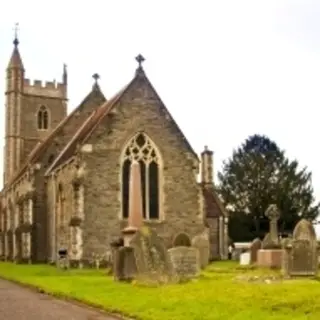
(213, 224)
(62, 192)
(42, 206)
(17, 219)
(57, 110)
(140, 109)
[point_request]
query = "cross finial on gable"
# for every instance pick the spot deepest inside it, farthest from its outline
(16, 28)
(140, 59)
(96, 77)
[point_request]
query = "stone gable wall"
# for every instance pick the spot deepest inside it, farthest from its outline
(139, 109)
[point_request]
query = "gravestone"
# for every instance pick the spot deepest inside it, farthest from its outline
(255, 246)
(273, 214)
(271, 254)
(151, 257)
(124, 264)
(238, 248)
(245, 258)
(185, 262)
(201, 242)
(301, 253)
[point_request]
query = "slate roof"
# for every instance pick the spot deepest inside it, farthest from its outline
(213, 205)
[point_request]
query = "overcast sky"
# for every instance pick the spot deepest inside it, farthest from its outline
(225, 69)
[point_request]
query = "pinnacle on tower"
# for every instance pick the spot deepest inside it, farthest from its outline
(65, 74)
(15, 60)
(16, 40)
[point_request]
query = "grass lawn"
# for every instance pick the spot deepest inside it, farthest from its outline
(217, 294)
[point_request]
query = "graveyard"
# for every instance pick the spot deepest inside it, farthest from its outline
(224, 290)
(272, 278)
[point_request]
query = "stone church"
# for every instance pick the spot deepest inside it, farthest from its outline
(66, 175)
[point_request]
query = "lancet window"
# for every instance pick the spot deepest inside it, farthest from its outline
(43, 118)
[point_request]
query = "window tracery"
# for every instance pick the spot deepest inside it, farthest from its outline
(140, 148)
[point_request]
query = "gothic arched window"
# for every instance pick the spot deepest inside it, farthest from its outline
(143, 150)
(43, 118)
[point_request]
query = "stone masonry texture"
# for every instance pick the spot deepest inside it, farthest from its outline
(139, 109)
(183, 206)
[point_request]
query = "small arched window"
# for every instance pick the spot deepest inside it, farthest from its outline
(182, 240)
(143, 150)
(43, 118)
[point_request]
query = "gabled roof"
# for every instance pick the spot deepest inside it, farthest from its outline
(213, 205)
(39, 150)
(86, 130)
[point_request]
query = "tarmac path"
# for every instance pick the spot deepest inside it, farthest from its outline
(19, 303)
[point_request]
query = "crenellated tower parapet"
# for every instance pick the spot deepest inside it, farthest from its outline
(49, 89)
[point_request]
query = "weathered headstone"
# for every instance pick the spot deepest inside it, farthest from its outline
(301, 253)
(150, 254)
(255, 246)
(124, 264)
(185, 261)
(201, 242)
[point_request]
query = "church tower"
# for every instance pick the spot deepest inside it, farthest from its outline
(32, 111)
(14, 87)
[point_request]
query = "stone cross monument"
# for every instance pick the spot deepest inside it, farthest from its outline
(273, 214)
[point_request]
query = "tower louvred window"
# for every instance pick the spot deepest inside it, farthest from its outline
(43, 118)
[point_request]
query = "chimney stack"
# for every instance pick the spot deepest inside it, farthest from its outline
(207, 166)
